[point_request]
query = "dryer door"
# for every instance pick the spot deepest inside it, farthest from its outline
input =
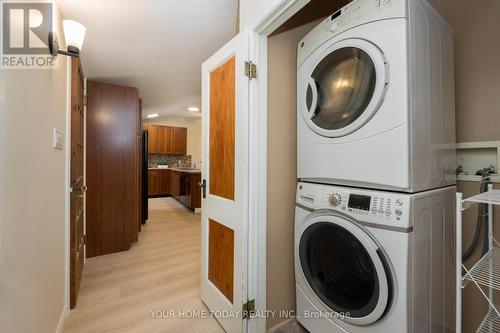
(344, 87)
(345, 269)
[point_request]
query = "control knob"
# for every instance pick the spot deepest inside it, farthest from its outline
(335, 199)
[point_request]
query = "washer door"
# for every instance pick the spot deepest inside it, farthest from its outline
(345, 269)
(345, 86)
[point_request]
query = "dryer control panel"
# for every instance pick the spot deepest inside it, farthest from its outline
(353, 14)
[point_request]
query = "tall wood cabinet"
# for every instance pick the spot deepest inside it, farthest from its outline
(113, 172)
(166, 140)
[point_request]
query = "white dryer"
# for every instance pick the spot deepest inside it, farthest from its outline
(375, 98)
(370, 261)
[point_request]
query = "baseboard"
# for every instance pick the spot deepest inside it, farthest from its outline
(64, 315)
(288, 326)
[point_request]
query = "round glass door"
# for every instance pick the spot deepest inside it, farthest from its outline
(346, 274)
(345, 88)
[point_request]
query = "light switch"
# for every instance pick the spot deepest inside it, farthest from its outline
(58, 139)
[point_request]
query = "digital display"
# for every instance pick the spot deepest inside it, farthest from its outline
(336, 14)
(358, 201)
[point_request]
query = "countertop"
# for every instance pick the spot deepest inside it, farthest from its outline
(192, 171)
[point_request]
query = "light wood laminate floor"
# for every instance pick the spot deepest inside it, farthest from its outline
(160, 272)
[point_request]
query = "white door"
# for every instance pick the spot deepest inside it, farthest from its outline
(225, 104)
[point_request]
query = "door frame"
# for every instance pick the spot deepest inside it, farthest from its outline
(262, 24)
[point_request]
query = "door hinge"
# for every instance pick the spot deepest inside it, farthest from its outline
(85, 239)
(250, 70)
(248, 309)
(84, 100)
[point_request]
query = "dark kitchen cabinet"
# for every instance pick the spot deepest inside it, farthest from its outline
(152, 139)
(166, 140)
(179, 140)
(164, 182)
(153, 182)
(175, 183)
(183, 186)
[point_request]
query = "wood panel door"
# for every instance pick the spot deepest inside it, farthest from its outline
(113, 197)
(179, 140)
(77, 190)
(225, 91)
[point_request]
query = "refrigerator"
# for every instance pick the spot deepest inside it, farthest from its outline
(144, 177)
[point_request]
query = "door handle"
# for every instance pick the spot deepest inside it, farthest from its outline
(81, 189)
(203, 185)
(314, 103)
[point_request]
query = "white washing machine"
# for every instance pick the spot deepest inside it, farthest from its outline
(370, 261)
(375, 98)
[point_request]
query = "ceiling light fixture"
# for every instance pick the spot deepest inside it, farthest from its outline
(152, 115)
(74, 34)
(193, 109)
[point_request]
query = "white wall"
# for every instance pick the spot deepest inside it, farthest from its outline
(193, 132)
(250, 8)
(32, 199)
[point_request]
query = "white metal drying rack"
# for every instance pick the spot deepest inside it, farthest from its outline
(486, 271)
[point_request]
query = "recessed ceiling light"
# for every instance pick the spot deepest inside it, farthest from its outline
(193, 109)
(152, 115)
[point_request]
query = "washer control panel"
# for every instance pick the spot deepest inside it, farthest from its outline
(369, 205)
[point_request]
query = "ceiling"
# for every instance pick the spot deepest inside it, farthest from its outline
(157, 46)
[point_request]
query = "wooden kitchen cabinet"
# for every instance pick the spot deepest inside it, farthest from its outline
(175, 183)
(179, 140)
(183, 186)
(166, 140)
(153, 139)
(193, 191)
(165, 182)
(158, 182)
(154, 182)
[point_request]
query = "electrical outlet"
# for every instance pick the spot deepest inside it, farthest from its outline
(58, 141)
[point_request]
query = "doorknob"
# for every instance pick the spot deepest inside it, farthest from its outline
(203, 185)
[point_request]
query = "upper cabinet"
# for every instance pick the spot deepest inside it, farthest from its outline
(152, 139)
(179, 142)
(167, 140)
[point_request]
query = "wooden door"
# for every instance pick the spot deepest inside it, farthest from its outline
(113, 199)
(152, 139)
(180, 140)
(77, 190)
(225, 90)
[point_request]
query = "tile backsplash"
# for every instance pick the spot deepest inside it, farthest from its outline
(171, 160)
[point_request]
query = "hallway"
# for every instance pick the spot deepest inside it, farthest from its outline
(160, 272)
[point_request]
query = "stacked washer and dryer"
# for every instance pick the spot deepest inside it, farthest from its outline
(374, 212)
